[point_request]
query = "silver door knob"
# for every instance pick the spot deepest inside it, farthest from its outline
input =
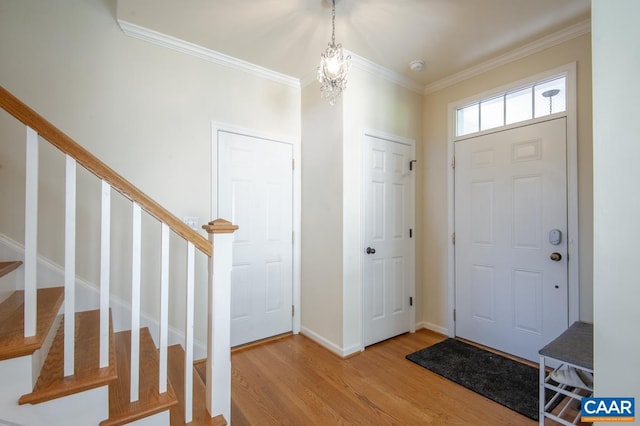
(556, 257)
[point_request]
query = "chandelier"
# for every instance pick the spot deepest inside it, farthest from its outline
(334, 66)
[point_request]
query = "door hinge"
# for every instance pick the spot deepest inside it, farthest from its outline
(411, 164)
(410, 233)
(410, 300)
(454, 314)
(293, 310)
(453, 162)
(293, 237)
(453, 238)
(293, 164)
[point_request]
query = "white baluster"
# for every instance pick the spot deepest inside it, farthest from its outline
(31, 234)
(188, 343)
(70, 268)
(164, 307)
(135, 302)
(105, 256)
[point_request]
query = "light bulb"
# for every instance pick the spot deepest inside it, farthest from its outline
(333, 66)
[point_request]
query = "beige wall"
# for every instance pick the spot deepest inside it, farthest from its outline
(321, 282)
(434, 298)
(616, 127)
(143, 109)
(332, 193)
(375, 104)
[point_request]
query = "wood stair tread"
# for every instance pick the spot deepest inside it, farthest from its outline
(121, 410)
(176, 376)
(13, 344)
(6, 267)
(52, 384)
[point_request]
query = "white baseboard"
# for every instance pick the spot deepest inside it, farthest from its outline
(351, 350)
(51, 274)
(432, 327)
(336, 349)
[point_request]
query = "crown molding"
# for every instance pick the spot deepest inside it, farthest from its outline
(392, 76)
(543, 43)
(192, 49)
(376, 69)
(539, 45)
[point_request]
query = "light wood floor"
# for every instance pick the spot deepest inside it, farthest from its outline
(294, 381)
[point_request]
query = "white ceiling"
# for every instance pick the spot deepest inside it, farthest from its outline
(288, 36)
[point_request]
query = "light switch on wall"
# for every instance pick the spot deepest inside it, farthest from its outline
(191, 221)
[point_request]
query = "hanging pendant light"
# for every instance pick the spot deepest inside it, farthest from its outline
(334, 66)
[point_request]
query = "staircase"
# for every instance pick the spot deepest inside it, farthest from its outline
(60, 366)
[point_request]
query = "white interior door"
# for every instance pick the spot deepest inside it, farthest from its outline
(510, 194)
(387, 250)
(255, 190)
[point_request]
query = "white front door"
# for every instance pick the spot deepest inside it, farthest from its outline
(255, 184)
(511, 255)
(387, 250)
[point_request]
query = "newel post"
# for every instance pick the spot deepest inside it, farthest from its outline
(218, 394)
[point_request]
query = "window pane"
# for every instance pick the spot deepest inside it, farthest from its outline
(550, 97)
(492, 113)
(519, 106)
(526, 103)
(467, 120)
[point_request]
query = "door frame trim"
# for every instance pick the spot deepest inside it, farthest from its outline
(411, 143)
(216, 129)
(572, 186)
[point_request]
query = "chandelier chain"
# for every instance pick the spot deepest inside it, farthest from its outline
(333, 23)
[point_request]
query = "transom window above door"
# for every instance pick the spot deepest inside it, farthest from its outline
(516, 105)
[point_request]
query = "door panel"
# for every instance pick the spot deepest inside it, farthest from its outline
(386, 272)
(255, 184)
(510, 191)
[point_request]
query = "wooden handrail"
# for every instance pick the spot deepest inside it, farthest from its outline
(64, 143)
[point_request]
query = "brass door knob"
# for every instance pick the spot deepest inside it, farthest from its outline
(556, 257)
